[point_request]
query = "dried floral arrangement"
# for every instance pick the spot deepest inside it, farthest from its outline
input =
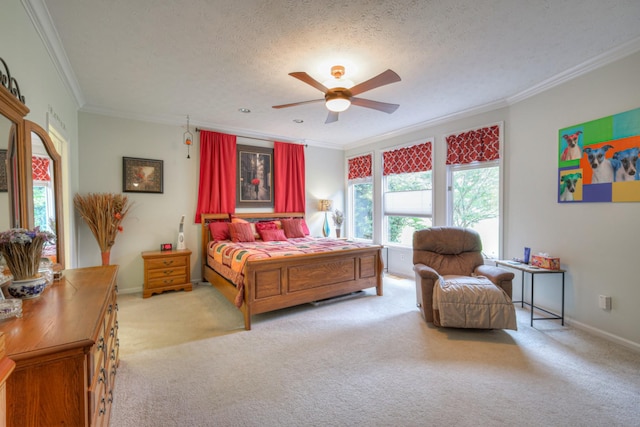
(338, 218)
(103, 213)
(22, 250)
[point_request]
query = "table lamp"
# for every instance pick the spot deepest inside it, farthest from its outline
(325, 206)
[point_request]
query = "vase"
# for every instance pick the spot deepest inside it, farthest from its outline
(106, 256)
(325, 227)
(27, 288)
(338, 233)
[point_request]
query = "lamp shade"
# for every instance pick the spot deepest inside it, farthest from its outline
(324, 205)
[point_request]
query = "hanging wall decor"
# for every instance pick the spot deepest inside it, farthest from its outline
(142, 175)
(254, 184)
(598, 160)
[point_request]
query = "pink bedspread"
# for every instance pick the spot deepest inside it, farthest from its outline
(229, 259)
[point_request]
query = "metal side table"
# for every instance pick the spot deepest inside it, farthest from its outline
(532, 270)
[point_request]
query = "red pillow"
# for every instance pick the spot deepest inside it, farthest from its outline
(292, 228)
(219, 231)
(266, 225)
(271, 235)
(305, 228)
(241, 232)
(235, 219)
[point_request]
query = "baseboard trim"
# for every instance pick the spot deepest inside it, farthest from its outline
(606, 335)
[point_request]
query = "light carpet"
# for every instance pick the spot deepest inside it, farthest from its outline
(367, 361)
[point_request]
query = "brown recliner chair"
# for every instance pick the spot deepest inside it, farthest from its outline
(441, 251)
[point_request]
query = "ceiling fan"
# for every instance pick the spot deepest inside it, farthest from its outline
(340, 93)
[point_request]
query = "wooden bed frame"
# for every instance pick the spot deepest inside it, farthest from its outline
(275, 283)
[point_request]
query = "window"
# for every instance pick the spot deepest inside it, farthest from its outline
(473, 184)
(407, 200)
(361, 194)
(43, 215)
(361, 197)
(474, 192)
(43, 203)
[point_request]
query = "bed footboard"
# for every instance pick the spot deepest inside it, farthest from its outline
(275, 283)
(272, 284)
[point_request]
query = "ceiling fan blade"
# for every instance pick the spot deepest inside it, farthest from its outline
(376, 105)
(381, 79)
(332, 117)
(302, 76)
(294, 104)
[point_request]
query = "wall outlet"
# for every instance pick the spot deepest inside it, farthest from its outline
(604, 302)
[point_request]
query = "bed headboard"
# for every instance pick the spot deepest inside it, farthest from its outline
(249, 216)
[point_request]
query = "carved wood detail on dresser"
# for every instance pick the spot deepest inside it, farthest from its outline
(66, 351)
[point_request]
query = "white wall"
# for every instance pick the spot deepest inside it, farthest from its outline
(154, 218)
(45, 94)
(596, 242)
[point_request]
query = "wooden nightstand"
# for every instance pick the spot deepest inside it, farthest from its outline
(166, 271)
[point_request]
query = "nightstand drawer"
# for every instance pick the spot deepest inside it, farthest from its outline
(167, 272)
(173, 261)
(167, 281)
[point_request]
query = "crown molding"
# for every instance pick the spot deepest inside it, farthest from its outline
(491, 106)
(43, 24)
(39, 15)
(179, 121)
(599, 61)
(592, 64)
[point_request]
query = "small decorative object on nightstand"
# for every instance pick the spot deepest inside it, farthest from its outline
(166, 271)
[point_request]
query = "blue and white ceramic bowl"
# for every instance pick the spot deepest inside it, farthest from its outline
(29, 288)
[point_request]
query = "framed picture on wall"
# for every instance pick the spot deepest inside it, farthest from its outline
(254, 182)
(142, 175)
(3, 171)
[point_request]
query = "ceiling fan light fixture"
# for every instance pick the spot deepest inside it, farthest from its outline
(337, 101)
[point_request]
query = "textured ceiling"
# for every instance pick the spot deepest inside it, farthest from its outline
(160, 60)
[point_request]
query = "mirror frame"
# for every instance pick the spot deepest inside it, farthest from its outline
(31, 127)
(15, 111)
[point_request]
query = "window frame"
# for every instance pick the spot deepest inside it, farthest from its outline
(350, 208)
(383, 190)
(499, 163)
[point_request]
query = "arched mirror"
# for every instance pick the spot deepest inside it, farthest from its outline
(45, 191)
(12, 180)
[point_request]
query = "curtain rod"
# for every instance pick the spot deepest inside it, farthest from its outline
(247, 137)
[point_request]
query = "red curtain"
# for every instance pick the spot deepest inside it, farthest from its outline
(289, 182)
(416, 158)
(360, 167)
(40, 168)
(217, 188)
(479, 145)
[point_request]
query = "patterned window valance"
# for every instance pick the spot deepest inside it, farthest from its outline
(40, 170)
(416, 158)
(479, 145)
(360, 167)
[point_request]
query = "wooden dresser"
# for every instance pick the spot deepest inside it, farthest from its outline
(65, 348)
(166, 271)
(6, 367)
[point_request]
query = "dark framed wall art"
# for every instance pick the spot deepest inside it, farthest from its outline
(142, 175)
(254, 183)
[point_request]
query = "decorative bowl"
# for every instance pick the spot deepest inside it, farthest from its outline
(28, 288)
